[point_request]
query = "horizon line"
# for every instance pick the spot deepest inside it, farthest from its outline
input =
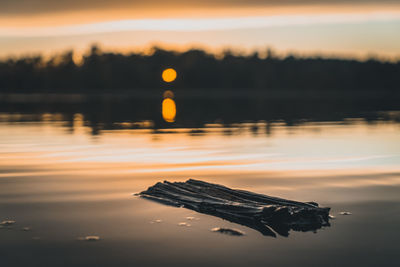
(236, 51)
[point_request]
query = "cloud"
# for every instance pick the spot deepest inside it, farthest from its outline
(36, 7)
(180, 25)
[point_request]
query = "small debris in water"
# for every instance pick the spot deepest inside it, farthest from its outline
(184, 224)
(7, 222)
(26, 229)
(332, 217)
(345, 213)
(90, 238)
(228, 231)
(156, 221)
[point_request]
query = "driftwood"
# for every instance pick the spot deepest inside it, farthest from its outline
(266, 214)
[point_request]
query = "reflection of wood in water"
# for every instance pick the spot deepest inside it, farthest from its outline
(168, 110)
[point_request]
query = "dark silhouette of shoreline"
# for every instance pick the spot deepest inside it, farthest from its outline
(102, 112)
(197, 70)
(109, 88)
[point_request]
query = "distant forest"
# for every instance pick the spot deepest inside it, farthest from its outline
(113, 72)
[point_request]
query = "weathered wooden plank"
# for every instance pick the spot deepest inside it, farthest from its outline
(266, 214)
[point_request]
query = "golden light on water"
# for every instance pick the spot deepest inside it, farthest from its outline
(169, 75)
(168, 94)
(168, 110)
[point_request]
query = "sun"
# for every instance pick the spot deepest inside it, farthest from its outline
(169, 75)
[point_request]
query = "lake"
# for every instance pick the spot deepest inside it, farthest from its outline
(62, 180)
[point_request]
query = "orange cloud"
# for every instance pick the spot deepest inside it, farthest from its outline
(15, 13)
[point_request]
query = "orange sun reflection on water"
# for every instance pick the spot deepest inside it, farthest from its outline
(168, 110)
(168, 94)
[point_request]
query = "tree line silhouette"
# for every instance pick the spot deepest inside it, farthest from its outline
(114, 72)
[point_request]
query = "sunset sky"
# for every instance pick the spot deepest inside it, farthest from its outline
(353, 28)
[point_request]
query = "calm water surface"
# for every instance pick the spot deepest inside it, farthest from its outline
(65, 183)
